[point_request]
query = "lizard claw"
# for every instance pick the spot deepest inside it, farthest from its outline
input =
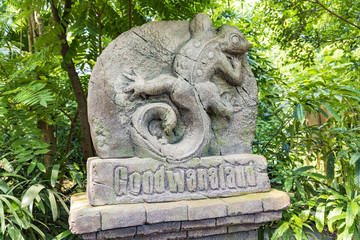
(136, 87)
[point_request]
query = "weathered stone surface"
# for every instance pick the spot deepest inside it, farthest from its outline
(122, 216)
(267, 216)
(243, 204)
(84, 221)
(112, 181)
(166, 212)
(164, 236)
(163, 217)
(116, 233)
(89, 236)
(277, 200)
(173, 91)
(206, 232)
(242, 219)
(83, 218)
(204, 209)
(243, 227)
(158, 228)
(248, 235)
(198, 224)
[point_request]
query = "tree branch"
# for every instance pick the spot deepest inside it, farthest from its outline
(71, 132)
(86, 143)
(331, 12)
(130, 13)
(99, 14)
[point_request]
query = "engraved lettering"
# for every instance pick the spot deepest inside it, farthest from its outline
(202, 179)
(120, 180)
(230, 177)
(250, 174)
(213, 178)
(222, 177)
(135, 183)
(176, 181)
(159, 180)
(148, 182)
(191, 180)
(240, 176)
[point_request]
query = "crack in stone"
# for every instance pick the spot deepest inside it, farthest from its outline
(240, 94)
(162, 47)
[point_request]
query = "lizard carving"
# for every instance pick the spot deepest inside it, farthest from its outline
(208, 52)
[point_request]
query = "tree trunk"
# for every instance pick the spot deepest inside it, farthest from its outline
(48, 137)
(36, 29)
(86, 143)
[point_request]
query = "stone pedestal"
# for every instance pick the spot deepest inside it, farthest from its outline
(219, 218)
(172, 112)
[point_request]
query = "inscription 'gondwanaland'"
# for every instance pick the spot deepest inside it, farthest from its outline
(178, 180)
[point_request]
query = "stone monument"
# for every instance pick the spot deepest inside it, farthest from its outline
(172, 110)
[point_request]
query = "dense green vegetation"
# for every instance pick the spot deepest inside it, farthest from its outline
(305, 56)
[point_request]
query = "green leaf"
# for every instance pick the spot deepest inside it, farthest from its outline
(302, 169)
(330, 167)
(53, 205)
(3, 186)
(288, 183)
(31, 166)
(38, 230)
(304, 215)
(2, 218)
(43, 103)
(31, 194)
(54, 174)
(331, 110)
(62, 202)
(350, 89)
(7, 165)
(331, 218)
(11, 208)
(62, 235)
(347, 233)
(41, 151)
(354, 157)
(320, 217)
(41, 166)
(41, 206)
(300, 113)
(357, 174)
(300, 189)
(12, 175)
(351, 212)
(15, 233)
(279, 232)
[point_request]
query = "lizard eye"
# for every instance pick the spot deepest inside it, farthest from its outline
(235, 40)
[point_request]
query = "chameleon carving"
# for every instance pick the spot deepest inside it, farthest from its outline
(207, 53)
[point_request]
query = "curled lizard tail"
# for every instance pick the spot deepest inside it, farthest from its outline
(149, 143)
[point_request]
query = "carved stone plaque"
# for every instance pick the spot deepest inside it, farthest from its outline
(133, 180)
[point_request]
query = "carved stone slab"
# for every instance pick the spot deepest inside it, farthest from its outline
(173, 90)
(191, 219)
(113, 181)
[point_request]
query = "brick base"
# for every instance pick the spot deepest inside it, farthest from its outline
(211, 219)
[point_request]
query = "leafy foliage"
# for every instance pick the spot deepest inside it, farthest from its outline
(304, 55)
(312, 99)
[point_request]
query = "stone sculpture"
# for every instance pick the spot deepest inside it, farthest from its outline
(172, 110)
(174, 91)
